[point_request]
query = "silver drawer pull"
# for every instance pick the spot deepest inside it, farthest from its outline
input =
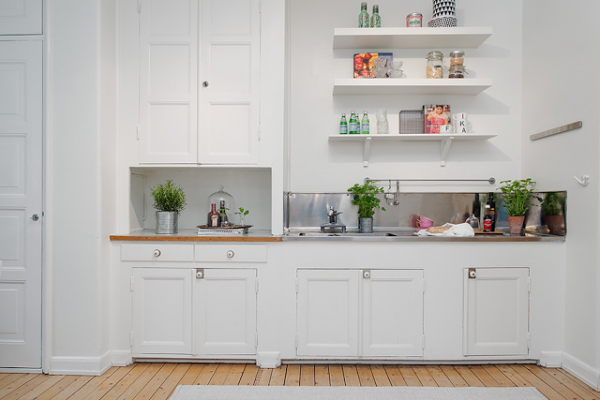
(157, 253)
(230, 254)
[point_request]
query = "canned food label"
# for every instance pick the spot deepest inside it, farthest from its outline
(413, 22)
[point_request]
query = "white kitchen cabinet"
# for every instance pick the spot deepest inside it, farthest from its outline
(338, 309)
(21, 17)
(162, 311)
(225, 310)
(496, 311)
(199, 112)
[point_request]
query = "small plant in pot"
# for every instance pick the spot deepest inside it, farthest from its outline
(552, 209)
(365, 197)
(169, 201)
(516, 197)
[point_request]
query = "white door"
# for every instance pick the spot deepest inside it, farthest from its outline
(225, 309)
(327, 322)
(497, 311)
(168, 130)
(20, 199)
(392, 313)
(229, 82)
(162, 310)
(20, 17)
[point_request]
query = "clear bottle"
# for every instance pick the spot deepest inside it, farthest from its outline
(375, 18)
(365, 128)
(352, 124)
(363, 17)
(343, 125)
(435, 65)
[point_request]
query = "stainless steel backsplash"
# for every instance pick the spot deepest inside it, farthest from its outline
(307, 211)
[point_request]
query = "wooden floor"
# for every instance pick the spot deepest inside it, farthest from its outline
(157, 381)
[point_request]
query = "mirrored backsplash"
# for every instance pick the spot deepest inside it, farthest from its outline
(308, 211)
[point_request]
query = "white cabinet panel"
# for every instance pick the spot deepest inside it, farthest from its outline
(159, 252)
(497, 311)
(327, 307)
(21, 17)
(231, 252)
(168, 81)
(230, 66)
(162, 311)
(392, 313)
(226, 312)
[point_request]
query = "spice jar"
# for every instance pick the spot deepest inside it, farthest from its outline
(456, 71)
(457, 57)
(435, 65)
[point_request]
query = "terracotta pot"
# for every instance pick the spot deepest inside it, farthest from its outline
(555, 224)
(515, 225)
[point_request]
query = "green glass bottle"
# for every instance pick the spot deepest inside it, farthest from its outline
(352, 124)
(343, 125)
(375, 18)
(363, 17)
(365, 128)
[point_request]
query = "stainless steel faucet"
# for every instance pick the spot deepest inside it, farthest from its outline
(333, 224)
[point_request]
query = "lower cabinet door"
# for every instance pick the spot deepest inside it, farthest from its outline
(496, 311)
(162, 311)
(392, 318)
(327, 312)
(225, 309)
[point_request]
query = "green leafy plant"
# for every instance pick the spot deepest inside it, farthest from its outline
(168, 197)
(365, 197)
(242, 213)
(552, 204)
(516, 195)
(222, 211)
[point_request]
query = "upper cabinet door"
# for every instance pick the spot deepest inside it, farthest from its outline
(229, 82)
(20, 17)
(168, 81)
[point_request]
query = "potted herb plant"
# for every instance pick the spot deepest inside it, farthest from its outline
(516, 197)
(169, 201)
(365, 197)
(242, 213)
(552, 209)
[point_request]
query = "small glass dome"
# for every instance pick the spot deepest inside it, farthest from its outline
(222, 200)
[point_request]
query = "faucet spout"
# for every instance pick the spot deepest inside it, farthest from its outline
(333, 224)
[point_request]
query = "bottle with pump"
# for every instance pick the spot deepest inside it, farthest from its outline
(363, 17)
(375, 18)
(352, 124)
(343, 125)
(365, 128)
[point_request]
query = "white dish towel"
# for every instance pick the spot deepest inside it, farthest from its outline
(463, 230)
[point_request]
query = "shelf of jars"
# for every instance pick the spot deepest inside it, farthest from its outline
(445, 140)
(467, 87)
(410, 38)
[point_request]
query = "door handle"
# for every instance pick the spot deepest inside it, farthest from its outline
(35, 217)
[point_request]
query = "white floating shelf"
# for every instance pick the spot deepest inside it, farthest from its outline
(469, 87)
(410, 38)
(445, 140)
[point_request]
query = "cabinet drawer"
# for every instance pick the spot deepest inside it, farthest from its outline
(231, 253)
(157, 252)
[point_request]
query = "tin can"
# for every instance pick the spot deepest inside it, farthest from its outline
(414, 20)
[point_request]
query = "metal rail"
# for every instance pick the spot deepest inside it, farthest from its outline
(491, 181)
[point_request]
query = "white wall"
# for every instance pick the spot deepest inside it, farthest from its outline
(318, 165)
(80, 172)
(559, 87)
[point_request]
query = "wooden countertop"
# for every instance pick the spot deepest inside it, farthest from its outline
(191, 235)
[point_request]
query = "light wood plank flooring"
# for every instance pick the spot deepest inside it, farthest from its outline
(157, 381)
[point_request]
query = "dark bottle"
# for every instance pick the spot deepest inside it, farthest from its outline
(487, 219)
(492, 204)
(223, 214)
(477, 206)
(214, 220)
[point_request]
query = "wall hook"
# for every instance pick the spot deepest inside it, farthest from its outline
(584, 180)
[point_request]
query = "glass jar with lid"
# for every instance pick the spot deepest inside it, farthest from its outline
(435, 65)
(456, 71)
(457, 57)
(225, 205)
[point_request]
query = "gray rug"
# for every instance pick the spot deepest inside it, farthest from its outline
(197, 392)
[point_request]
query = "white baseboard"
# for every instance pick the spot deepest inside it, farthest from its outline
(121, 358)
(551, 359)
(60, 365)
(268, 359)
(581, 370)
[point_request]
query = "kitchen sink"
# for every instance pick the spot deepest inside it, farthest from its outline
(354, 234)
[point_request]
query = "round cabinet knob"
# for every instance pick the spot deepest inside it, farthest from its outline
(157, 253)
(35, 217)
(230, 254)
(367, 274)
(205, 84)
(199, 274)
(472, 274)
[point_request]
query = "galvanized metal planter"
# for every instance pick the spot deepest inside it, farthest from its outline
(365, 225)
(167, 221)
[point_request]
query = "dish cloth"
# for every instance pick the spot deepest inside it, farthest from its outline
(463, 230)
